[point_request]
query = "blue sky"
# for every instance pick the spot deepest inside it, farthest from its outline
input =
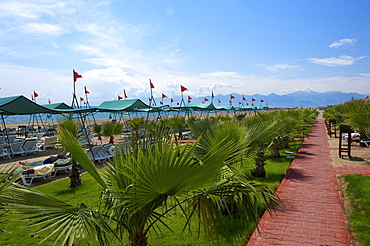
(236, 46)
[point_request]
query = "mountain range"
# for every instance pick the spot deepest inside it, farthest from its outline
(300, 99)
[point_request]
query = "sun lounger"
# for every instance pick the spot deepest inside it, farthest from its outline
(16, 149)
(42, 171)
(50, 142)
(62, 164)
(2, 139)
(87, 140)
(366, 142)
(123, 146)
(30, 146)
(10, 139)
(3, 151)
(94, 153)
(106, 151)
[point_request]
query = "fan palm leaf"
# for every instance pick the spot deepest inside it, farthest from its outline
(69, 223)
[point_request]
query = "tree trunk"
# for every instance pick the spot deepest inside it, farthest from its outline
(75, 175)
(275, 152)
(259, 171)
(111, 139)
(100, 138)
(138, 240)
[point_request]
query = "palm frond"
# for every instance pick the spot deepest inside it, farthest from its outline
(71, 143)
(69, 224)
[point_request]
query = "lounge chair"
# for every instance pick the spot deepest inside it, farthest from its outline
(365, 141)
(42, 171)
(123, 146)
(3, 151)
(62, 164)
(106, 151)
(50, 142)
(39, 136)
(16, 149)
(30, 146)
(10, 139)
(94, 153)
(2, 139)
(87, 140)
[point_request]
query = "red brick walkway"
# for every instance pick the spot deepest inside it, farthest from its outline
(352, 170)
(311, 213)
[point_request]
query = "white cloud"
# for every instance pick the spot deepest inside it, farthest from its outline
(221, 74)
(278, 67)
(42, 28)
(106, 84)
(343, 60)
(343, 42)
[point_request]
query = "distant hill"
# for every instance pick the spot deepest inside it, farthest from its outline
(300, 99)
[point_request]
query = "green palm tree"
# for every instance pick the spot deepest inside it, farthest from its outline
(136, 124)
(278, 127)
(178, 125)
(358, 115)
(111, 130)
(71, 127)
(98, 130)
(140, 188)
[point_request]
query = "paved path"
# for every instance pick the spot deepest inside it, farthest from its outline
(311, 213)
(352, 170)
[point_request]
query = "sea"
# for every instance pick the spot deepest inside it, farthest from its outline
(50, 119)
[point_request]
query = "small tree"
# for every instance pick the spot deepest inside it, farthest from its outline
(112, 129)
(98, 130)
(71, 127)
(135, 124)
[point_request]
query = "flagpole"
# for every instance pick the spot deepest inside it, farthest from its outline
(151, 94)
(87, 100)
(74, 100)
(34, 96)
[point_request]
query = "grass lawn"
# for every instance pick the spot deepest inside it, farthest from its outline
(14, 232)
(358, 193)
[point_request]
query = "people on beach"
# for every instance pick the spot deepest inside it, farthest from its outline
(49, 160)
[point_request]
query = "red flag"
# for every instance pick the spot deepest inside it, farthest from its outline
(231, 96)
(189, 98)
(82, 99)
(150, 99)
(205, 99)
(35, 94)
(240, 102)
(178, 103)
(172, 100)
(161, 103)
(164, 96)
(119, 97)
(253, 99)
(189, 101)
(76, 76)
(247, 104)
(183, 88)
(49, 101)
(32, 97)
(213, 96)
(124, 93)
(230, 101)
(86, 91)
(262, 100)
(219, 101)
(244, 99)
(151, 84)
